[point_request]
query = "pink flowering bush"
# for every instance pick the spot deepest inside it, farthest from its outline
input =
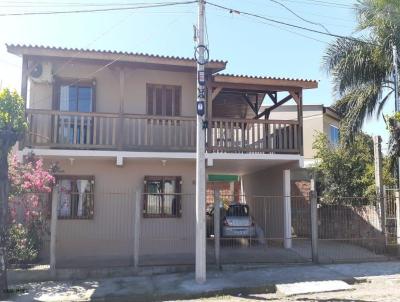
(30, 188)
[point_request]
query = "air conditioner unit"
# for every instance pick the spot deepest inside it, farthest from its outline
(42, 73)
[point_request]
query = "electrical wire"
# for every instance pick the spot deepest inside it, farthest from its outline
(322, 3)
(298, 16)
(101, 68)
(239, 12)
(98, 10)
(288, 30)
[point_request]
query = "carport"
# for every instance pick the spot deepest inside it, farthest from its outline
(265, 186)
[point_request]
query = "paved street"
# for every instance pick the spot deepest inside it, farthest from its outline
(379, 289)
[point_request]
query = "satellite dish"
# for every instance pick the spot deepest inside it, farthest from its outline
(37, 71)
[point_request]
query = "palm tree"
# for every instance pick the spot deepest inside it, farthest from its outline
(361, 68)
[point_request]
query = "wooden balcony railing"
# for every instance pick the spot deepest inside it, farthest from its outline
(77, 130)
(254, 136)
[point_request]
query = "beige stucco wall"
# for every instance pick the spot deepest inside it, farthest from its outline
(314, 122)
(108, 87)
(312, 126)
(108, 237)
(264, 194)
(329, 121)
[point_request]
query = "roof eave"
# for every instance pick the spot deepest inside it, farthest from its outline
(258, 81)
(331, 112)
(214, 66)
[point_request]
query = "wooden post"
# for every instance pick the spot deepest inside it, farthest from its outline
(287, 212)
(298, 97)
(397, 201)
(209, 113)
(53, 229)
(378, 180)
(136, 228)
(217, 229)
(120, 137)
(24, 93)
(314, 222)
(24, 79)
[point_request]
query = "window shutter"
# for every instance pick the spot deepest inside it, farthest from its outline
(159, 102)
(168, 101)
(178, 182)
(150, 100)
(144, 205)
(177, 101)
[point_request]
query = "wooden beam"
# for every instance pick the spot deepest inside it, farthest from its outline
(254, 108)
(121, 106)
(300, 120)
(209, 108)
(215, 93)
(295, 95)
(252, 88)
(268, 110)
(265, 81)
(273, 96)
(24, 80)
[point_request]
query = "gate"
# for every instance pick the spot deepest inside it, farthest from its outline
(392, 217)
(250, 229)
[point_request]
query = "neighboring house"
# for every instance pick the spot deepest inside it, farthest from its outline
(316, 119)
(119, 123)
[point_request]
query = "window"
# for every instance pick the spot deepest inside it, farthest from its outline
(162, 196)
(334, 135)
(163, 100)
(76, 98)
(76, 200)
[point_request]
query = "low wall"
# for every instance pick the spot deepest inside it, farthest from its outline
(355, 224)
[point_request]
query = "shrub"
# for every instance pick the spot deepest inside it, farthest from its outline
(29, 206)
(21, 247)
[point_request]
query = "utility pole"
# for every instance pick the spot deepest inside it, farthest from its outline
(201, 55)
(396, 98)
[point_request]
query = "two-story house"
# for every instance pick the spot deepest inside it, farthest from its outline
(121, 122)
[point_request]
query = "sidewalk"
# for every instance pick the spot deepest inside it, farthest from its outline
(181, 286)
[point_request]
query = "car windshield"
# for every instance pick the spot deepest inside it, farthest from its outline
(238, 210)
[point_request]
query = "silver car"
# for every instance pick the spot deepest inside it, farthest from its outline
(238, 222)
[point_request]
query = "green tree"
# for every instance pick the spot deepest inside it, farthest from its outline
(12, 127)
(347, 172)
(362, 69)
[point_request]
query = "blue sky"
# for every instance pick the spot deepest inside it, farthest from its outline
(251, 46)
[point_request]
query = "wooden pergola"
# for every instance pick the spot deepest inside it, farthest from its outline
(244, 97)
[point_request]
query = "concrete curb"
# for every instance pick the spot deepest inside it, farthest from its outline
(269, 288)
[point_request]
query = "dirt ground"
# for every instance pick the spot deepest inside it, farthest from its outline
(373, 290)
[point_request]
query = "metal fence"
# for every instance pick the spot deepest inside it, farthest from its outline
(251, 230)
(351, 229)
(150, 229)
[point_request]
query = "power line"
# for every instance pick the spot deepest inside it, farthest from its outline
(323, 3)
(298, 16)
(98, 10)
(239, 12)
(290, 31)
(101, 35)
(102, 67)
(69, 4)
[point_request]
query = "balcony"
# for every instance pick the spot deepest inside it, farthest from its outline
(132, 132)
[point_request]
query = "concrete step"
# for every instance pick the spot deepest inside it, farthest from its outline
(299, 288)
